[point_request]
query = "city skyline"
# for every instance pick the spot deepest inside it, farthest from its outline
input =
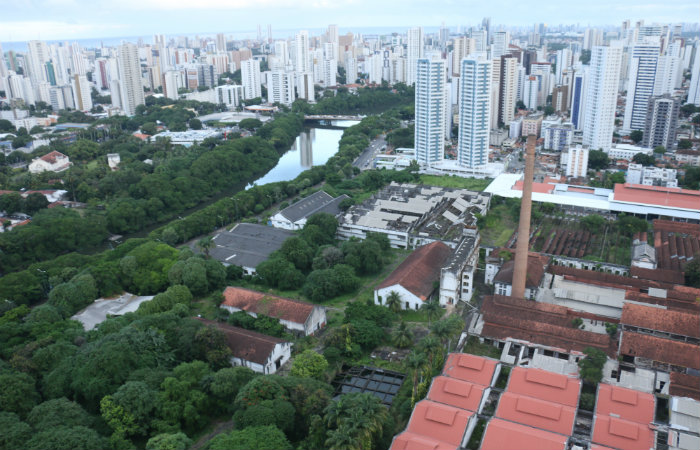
(78, 19)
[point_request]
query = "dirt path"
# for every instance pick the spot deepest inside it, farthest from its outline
(219, 428)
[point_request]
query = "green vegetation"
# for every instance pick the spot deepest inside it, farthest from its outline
(451, 181)
(591, 367)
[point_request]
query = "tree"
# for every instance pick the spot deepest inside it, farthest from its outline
(309, 364)
(636, 136)
(415, 362)
(249, 124)
(598, 160)
(169, 441)
(251, 438)
(403, 336)
(692, 272)
(659, 150)
(393, 301)
(206, 244)
(297, 251)
(431, 346)
(594, 223)
(15, 433)
(432, 309)
(643, 159)
(685, 144)
(67, 438)
(58, 412)
(226, 384)
(195, 124)
(591, 367)
(17, 392)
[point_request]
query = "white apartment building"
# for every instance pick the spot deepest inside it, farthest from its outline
(577, 162)
(601, 96)
(250, 78)
(431, 108)
(508, 89)
(305, 86)
(474, 104)
(640, 85)
(280, 87)
(230, 95)
(302, 61)
(130, 84)
(81, 93)
(651, 176)
(172, 81)
(626, 151)
(414, 52)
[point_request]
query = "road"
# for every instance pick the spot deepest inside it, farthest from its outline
(364, 161)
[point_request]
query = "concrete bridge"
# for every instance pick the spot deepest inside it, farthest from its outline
(330, 117)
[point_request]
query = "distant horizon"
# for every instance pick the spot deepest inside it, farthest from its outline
(288, 32)
(59, 20)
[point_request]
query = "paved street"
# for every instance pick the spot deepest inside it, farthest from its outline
(364, 161)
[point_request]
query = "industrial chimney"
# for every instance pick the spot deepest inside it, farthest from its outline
(522, 248)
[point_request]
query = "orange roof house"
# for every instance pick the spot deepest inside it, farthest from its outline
(475, 369)
(628, 404)
(548, 386)
(536, 413)
(293, 314)
(441, 422)
(457, 393)
(622, 434)
(504, 435)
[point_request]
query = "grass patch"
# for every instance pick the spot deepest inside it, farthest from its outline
(475, 347)
(499, 225)
(410, 315)
(451, 181)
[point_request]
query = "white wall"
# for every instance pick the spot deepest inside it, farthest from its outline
(406, 296)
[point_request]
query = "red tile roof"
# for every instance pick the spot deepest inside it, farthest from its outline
(684, 385)
(269, 305)
(458, 393)
(418, 272)
(52, 157)
(677, 227)
(438, 421)
(413, 441)
(246, 344)
(503, 435)
(540, 323)
(536, 264)
(651, 318)
(660, 349)
(472, 368)
(536, 413)
(544, 385)
(657, 196)
(622, 434)
(666, 275)
(628, 404)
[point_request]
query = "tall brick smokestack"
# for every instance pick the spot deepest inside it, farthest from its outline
(522, 248)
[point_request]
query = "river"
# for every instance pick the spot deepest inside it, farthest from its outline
(313, 147)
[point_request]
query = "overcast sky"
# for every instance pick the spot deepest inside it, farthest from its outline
(22, 20)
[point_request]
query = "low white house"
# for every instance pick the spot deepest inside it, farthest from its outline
(415, 278)
(297, 316)
(50, 162)
(294, 216)
(259, 352)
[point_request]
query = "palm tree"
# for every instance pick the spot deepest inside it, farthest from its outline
(393, 301)
(432, 308)
(403, 336)
(431, 346)
(415, 361)
(205, 244)
(344, 438)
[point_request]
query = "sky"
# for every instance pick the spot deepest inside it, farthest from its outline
(22, 20)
